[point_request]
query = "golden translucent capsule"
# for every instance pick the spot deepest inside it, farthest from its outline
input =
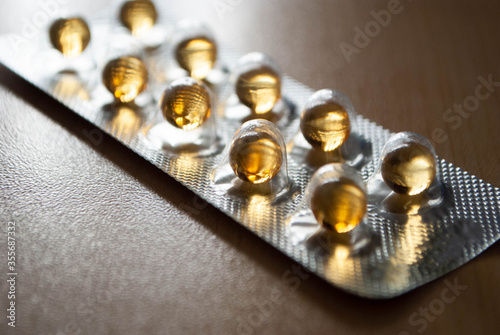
(139, 16)
(326, 125)
(258, 83)
(256, 157)
(125, 77)
(197, 56)
(339, 205)
(70, 36)
(186, 104)
(409, 169)
(259, 90)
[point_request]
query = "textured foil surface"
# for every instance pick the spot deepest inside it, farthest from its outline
(403, 252)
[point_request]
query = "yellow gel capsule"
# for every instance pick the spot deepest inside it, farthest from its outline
(70, 36)
(139, 16)
(409, 169)
(197, 56)
(259, 89)
(125, 77)
(256, 157)
(186, 104)
(339, 205)
(325, 126)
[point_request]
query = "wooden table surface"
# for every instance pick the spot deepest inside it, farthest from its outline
(107, 245)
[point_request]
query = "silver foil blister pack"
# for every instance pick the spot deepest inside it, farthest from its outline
(393, 254)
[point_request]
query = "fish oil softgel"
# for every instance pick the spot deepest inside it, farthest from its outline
(185, 124)
(125, 77)
(129, 106)
(197, 56)
(328, 132)
(138, 16)
(186, 104)
(339, 205)
(193, 49)
(257, 85)
(408, 164)
(140, 19)
(335, 203)
(69, 40)
(407, 170)
(70, 36)
(64, 58)
(255, 161)
(324, 122)
(123, 71)
(256, 158)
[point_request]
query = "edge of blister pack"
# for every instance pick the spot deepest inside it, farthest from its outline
(401, 255)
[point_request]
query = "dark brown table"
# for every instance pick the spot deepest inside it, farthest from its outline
(107, 244)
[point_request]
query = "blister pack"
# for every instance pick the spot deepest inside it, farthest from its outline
(373, 213)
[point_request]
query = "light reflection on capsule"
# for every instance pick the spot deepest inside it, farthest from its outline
(186, 104)
(197, 56)
(409, 169)
(125, 77)
(339, 205)
(325, 124)
(256, 157)
(139, 16)
(258, 82)
(70, 36)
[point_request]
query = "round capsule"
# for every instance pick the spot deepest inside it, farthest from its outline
(70, 36)
(256, 157)
(139, 16)
(409, 168)
(324, 122)
(339, 205)
(125, 77)
(258, 82)
(186, 104)
(197, 56)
